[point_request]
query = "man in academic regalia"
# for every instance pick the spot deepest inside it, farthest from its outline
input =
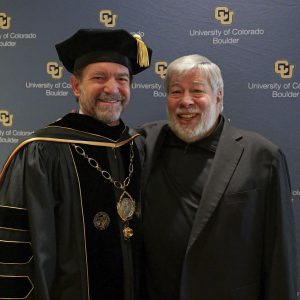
(217, 217)
(69, 196)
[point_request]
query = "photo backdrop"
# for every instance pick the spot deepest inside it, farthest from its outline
(256, 43)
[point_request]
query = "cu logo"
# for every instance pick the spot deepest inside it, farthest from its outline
(108, 18)
(284, 69)
(4, 21)
(161, 68)
(224, 15)
(54, 70)
(6, 118)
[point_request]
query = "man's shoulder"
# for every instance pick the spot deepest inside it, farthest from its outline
(151, 128)
(253, 139)
(257, 138)
(43, 142)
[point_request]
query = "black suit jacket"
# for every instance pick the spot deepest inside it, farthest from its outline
(242, 244)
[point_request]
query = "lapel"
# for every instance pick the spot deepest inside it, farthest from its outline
(227, 157)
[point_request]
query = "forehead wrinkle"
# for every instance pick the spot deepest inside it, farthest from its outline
(200, 82)
(194, 82)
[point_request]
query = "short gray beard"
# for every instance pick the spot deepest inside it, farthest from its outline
(109, 114)
(198, 132)
(106, 115)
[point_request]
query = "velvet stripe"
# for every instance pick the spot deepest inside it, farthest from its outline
(13, 218)
(15, 252)
(15, 287)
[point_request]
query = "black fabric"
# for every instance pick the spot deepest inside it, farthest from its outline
(42, 178)
(88, 124)
(242, 242)
(12, 287)
(15, 252)
(13, 218)
(105, 262)
(178, 178)
(105, 257)
(105, 44)
(102, 56)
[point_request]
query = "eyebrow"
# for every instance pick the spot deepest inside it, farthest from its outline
(123, 74)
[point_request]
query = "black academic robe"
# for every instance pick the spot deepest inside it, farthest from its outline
(242, 243)
(44, 251)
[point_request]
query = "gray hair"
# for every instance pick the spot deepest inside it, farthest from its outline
(207, 68)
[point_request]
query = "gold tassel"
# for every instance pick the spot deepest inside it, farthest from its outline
(142, 55)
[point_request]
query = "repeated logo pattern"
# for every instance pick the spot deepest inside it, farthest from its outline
(54, 70)
(224, 15)
(161, 68)
(284, 69)
(5, 21)
(6, 118)
(108, 18)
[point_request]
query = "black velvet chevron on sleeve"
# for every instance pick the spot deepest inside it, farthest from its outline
(15, 287)
(14, 252)
(13, 218)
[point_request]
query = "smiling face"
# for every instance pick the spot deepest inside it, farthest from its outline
(193, 106)
(103, 91)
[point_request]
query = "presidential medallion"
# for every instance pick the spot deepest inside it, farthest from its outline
(125, 206)
(101, 220)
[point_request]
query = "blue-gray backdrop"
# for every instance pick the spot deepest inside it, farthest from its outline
(256, 43)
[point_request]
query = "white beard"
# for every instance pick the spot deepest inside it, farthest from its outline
(191, 134)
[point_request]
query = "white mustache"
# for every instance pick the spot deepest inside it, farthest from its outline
(111, 98)
(188, 111)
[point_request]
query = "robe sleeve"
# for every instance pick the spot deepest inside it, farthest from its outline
(27, 229)
(279, 252)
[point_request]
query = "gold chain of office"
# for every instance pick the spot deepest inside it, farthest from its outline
(125, 204)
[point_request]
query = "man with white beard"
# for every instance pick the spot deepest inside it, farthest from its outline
(218, 221)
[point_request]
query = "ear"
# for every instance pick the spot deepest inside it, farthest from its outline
(219, 96)
(75, 83)
(219, 101)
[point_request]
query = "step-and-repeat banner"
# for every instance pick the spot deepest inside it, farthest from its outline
(256, 43)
